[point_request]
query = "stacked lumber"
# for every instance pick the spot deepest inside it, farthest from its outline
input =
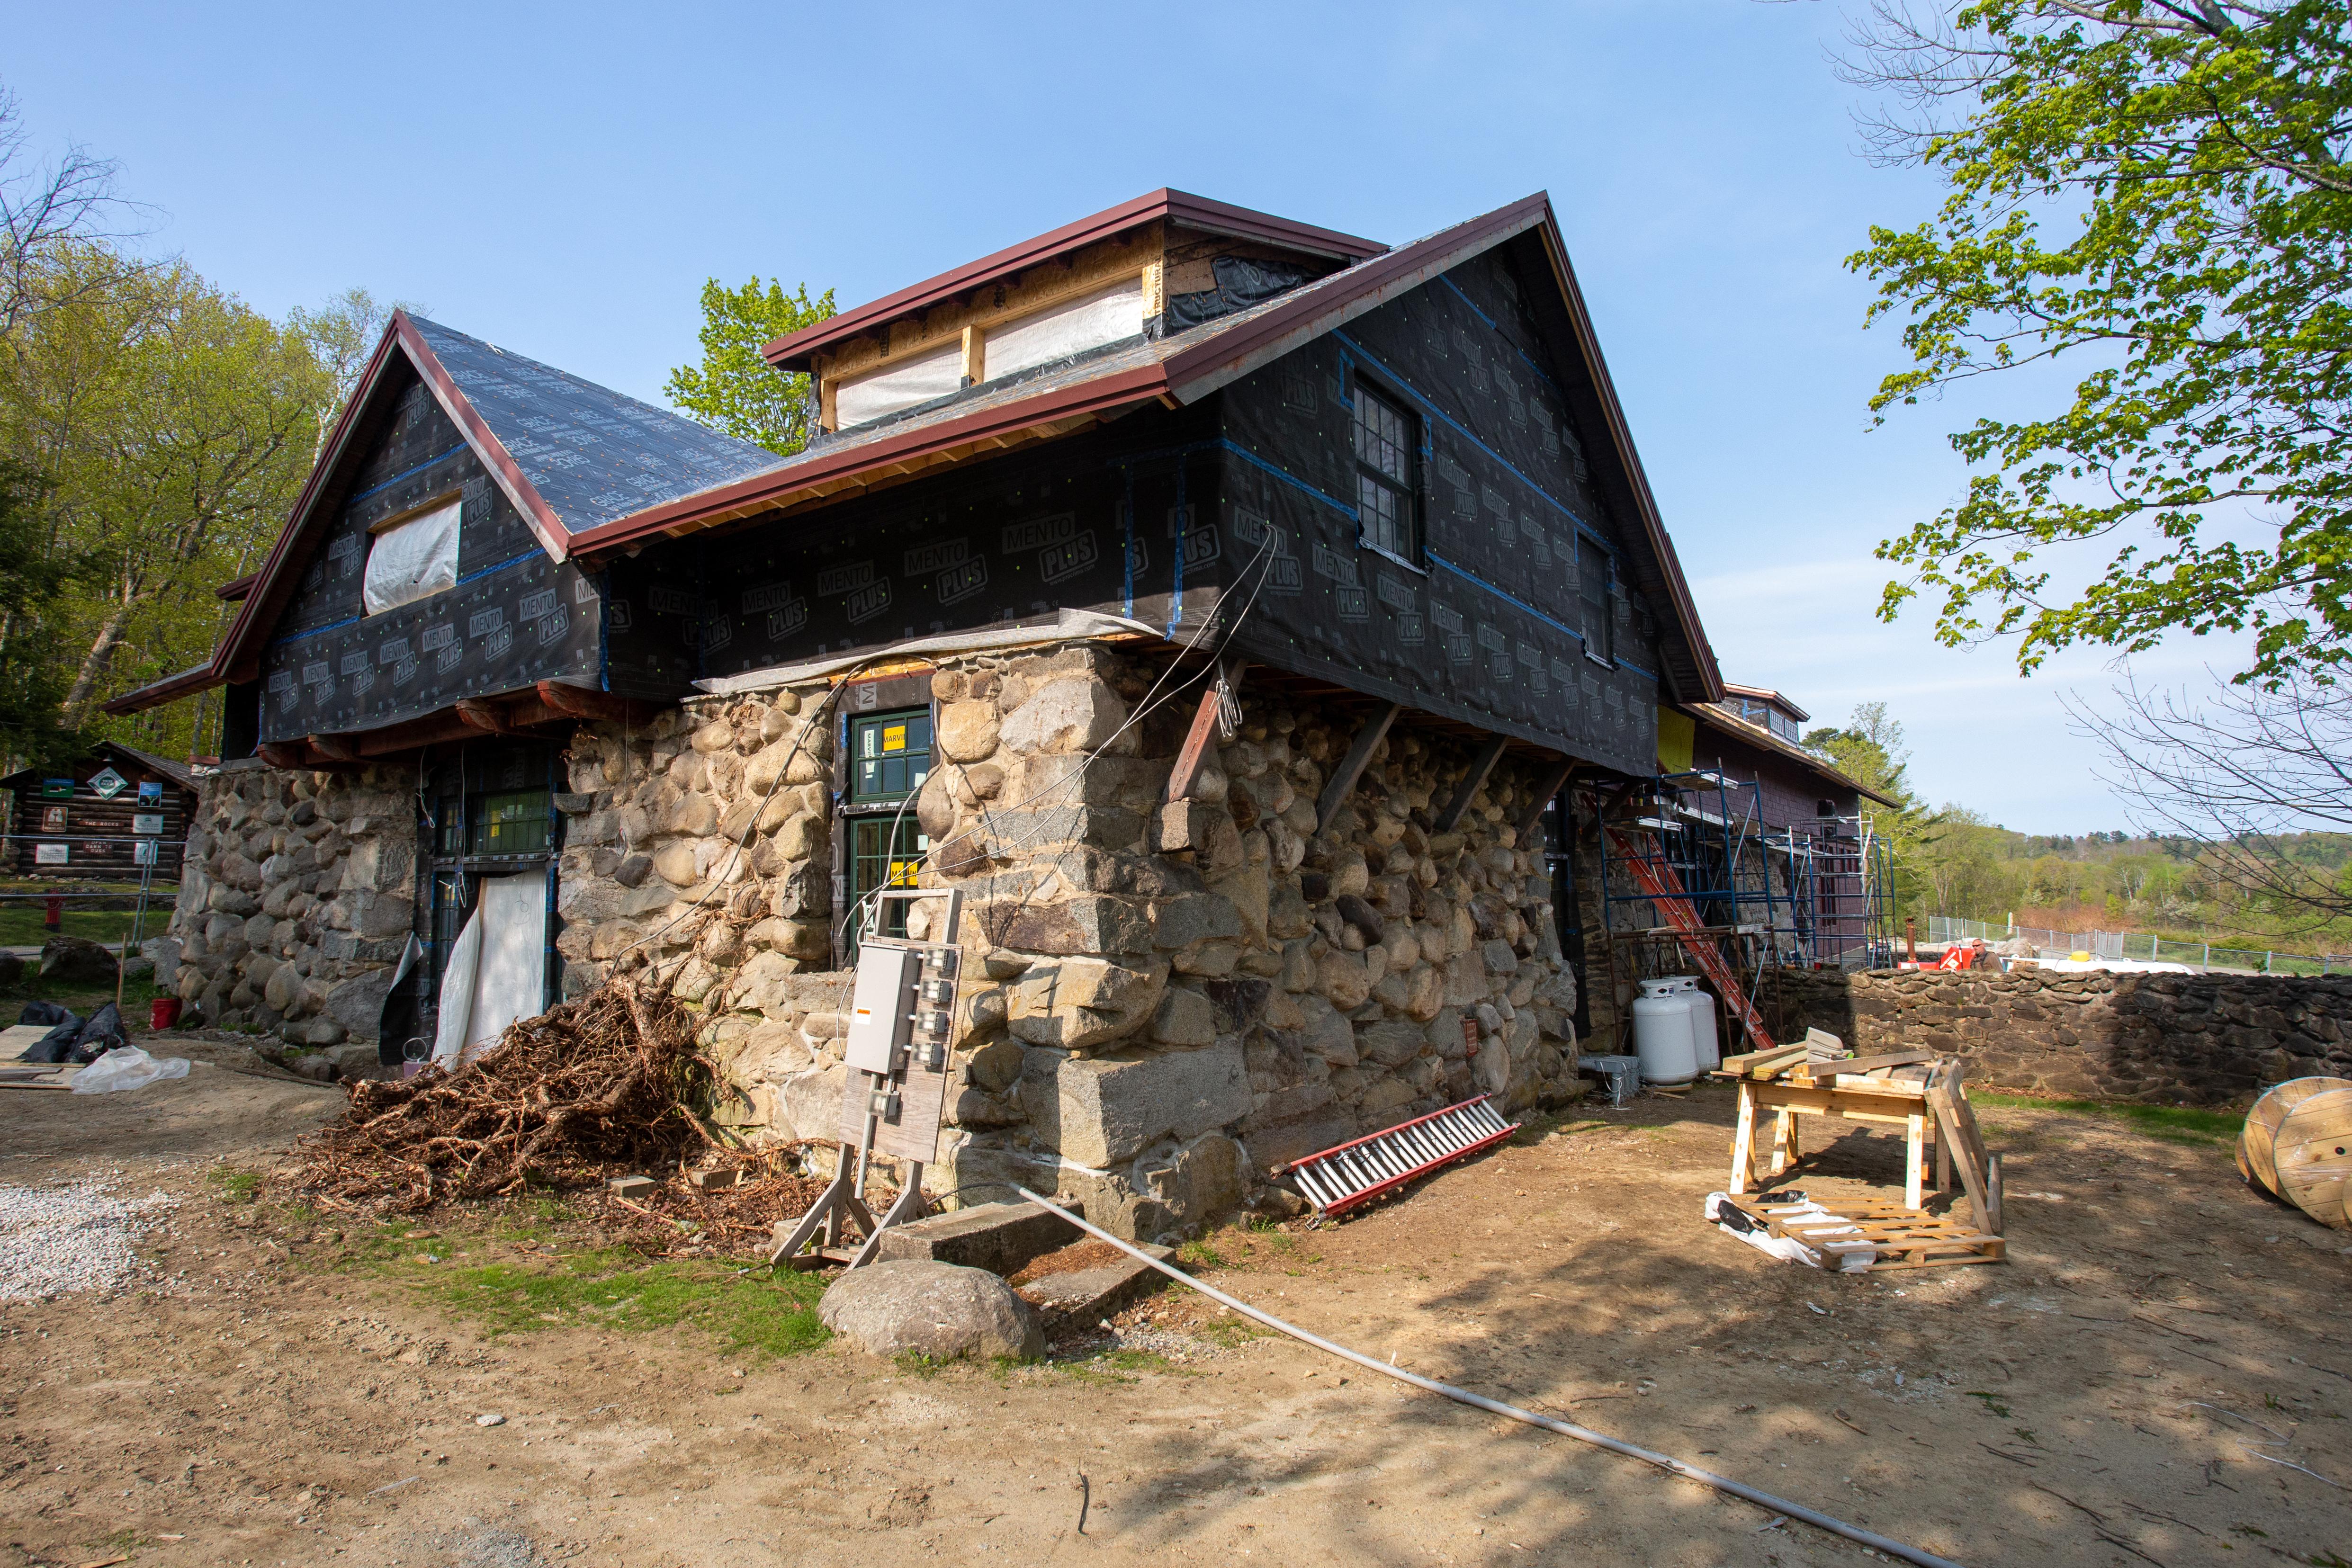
(2298, 1146)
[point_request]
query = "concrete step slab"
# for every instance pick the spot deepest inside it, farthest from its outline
(1001, 1237)
(1088, 1295)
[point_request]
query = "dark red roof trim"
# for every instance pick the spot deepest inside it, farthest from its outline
(793, 352)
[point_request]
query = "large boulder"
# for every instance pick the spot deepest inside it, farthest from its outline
(76, 958)
(938, 1309)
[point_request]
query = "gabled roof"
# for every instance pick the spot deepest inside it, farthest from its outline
(1061, 399)
(795, 353)
(1763, 740)
(570, 455)
(178, 773)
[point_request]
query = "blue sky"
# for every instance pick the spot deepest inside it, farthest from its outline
(559, 179)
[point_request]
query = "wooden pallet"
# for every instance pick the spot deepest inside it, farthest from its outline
(1914, 1238)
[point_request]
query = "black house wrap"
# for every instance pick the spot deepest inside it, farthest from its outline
(1207, 472)
(517, 616)
(1246, 496)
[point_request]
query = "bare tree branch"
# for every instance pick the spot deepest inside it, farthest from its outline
(42, 208)
(2237, 775)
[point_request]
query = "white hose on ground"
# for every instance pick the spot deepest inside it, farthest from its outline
(1565, 1428)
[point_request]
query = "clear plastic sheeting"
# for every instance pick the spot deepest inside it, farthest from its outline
(497, 968)
(413, 559)
(938, 374)
(1089, 321)
(124, 1068)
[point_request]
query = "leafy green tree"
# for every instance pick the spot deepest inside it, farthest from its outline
(170, 425)
(341, 335)
(735, 388)
(2155, 190)
(33, 575)
(1870, 750)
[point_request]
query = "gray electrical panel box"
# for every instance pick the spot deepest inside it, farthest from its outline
(882, 1007)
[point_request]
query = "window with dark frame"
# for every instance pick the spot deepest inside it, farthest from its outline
(890, 756)
(1387, 510)
(488, 810)
(1595, 574)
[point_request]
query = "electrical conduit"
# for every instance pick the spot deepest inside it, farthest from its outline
(1565, 1428)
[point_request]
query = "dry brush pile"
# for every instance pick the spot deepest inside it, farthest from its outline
(610, 1079)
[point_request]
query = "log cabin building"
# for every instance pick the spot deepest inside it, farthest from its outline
(114, 814)
(1245, 615)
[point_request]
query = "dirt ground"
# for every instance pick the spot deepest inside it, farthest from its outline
(2159, 1374)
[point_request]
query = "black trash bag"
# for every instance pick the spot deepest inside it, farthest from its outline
(58, 1043)
(101, 1034)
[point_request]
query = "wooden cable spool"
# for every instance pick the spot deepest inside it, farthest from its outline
(2256, 1141)
(2313, 1154)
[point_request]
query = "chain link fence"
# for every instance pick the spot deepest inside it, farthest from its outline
(2140, 945)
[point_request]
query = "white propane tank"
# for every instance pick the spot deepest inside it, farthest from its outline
(1662, 1034)
(1702, 1012)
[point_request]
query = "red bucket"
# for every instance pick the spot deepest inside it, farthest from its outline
(162, 1012)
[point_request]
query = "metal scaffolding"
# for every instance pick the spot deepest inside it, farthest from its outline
(1816, 894)
(1840, 877)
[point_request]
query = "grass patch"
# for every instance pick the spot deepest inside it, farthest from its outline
(1201, 1255)
(81, 996)
(21, 923)
(614, 1288)
(237, 1185)
(1228, 1331)
(2173, 1123)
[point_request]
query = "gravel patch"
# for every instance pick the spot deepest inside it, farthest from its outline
(57, 1239)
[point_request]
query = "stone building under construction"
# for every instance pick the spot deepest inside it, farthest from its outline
(1249, 618)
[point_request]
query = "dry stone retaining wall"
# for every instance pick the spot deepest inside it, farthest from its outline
(2200, 1038)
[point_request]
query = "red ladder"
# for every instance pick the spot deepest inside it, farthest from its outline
(1663, 888)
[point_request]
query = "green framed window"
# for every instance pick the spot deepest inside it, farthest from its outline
(889, 758)
(497, 823)
(885, 851)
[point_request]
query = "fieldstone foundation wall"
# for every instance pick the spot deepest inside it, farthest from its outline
(1159, 1003)
(2200, 1038)
(297, 897)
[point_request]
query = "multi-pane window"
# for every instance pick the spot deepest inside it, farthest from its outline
(1388, 519)
(1593, 581)
(890, 756)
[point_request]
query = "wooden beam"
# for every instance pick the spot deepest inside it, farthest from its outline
(483, 716)
(975, 351)
(1351, 768)
(432, 730)
(1554, 780)
(341, 748)
(578, 702)
(284, 754)
(1195, 755)
(1480, 767)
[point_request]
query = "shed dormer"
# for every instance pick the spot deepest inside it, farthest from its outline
(1149, 268)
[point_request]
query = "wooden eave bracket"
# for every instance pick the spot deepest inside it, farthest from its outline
(1481, 767)
(1554, 781)
(1186, 776)
(1342, 783)
(483, 716)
